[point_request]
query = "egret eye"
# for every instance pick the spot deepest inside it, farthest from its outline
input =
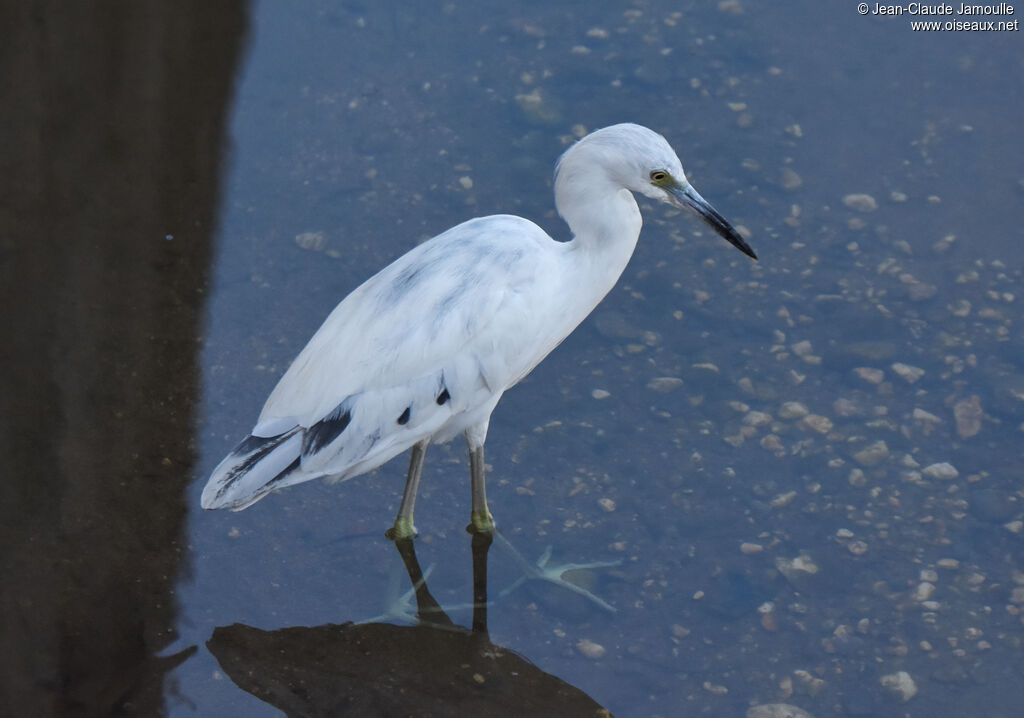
(659, 176)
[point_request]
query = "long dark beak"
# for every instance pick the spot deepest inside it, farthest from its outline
(686, 197)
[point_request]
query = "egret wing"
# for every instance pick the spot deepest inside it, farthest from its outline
(469, 292)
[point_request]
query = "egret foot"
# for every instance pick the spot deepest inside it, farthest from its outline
(481, 522)
(541, 570)
(403, 529)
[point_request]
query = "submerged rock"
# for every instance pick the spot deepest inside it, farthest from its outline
(968, 413)
(900, 684)
(777, 710)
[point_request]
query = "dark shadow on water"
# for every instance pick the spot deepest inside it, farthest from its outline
(111, 139)
(433, 668)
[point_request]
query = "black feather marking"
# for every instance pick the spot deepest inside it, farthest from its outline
(327, 429)
(404, 418)
(252, 449)
(253, 443)
(443, 397)
(255, 449)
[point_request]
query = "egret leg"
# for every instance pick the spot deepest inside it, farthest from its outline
(403, 527)
(481, 520)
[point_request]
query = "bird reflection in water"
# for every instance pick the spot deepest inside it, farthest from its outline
(433, 668)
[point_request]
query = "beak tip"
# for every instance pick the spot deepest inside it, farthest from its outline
(735, 239)
(687, 197)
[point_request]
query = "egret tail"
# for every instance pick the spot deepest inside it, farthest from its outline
(254, 468)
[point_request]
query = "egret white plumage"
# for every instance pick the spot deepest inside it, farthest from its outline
(422, 351)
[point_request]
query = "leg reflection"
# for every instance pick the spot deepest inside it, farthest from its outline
(481, 545)
(428, 610)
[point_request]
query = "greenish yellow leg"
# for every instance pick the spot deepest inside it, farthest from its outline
(404, 528)
(481, 520)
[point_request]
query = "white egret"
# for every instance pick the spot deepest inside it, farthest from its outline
(422, 351)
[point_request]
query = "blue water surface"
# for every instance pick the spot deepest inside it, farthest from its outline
(715, 425)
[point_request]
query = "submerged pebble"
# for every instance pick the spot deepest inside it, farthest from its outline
(797, 567)
(924, 591)
(857, 548)
(777, 710)
(872, 455)
(900, 684)
(860, 202)
(807, 683)
(968, 413)
(664, 384)
(872, 376)
(943, 470)
(590, 649)
(793, 410)
(757, 418)
(908, 373)
(313, 241)
(815, 422)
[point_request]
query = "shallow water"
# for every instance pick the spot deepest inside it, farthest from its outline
(716, 425)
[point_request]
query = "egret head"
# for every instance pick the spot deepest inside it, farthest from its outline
(642, 161)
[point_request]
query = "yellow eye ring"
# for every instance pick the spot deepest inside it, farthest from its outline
(659, 176)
